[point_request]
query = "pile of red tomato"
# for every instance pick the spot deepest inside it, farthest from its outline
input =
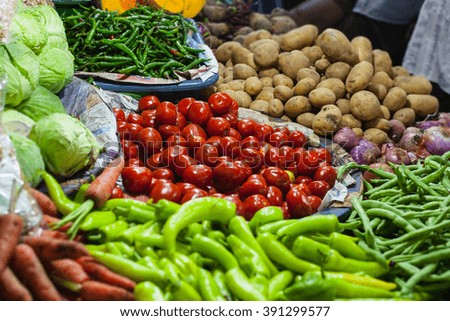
(196, 148)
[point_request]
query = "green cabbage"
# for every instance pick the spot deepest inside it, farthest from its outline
(66, 144)
(14, 121)
(56, 69)
(28, 29)
(50, 18)
(29, 158)
(41, 103)
(56, 42)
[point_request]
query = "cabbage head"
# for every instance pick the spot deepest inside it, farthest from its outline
(28, 29)
(66, 144)
(56, 69)
(16, 122)
(29, 158)
(49, 18)
(41, 103)
(56, 42)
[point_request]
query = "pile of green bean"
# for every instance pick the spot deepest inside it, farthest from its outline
(140, 41)
(405, 218)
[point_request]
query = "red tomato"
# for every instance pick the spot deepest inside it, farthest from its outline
(288, 153)
(248, 171)
(273, 158)
(297, 138)
(323, 154)
(257, 177)
(149, 118)
(181, 121)
(252, 204)
(279, 138)
(119, 114)
(298, 204)
(263, 132)
(194, 143)
(193, 193)
(217, 126)
(117, 192)
(234, 108)
(303, 179)
(184, 187)
(315, 202)
(228, 176)
(193, 130)
(135, 118)
(154, 161)
(303, 187)
(230, 146)
(199, 113)
(129, 131)
(216, 141)
(319, 188)
(236, 200)
(148, 102)
(307, 163)
(250, 142)
(181, 162)
(168, 130)
(246, 127)
(150, 140)
(220, 103)
(130, 149)
(121, 124)
(164, 189)
(276, 176)
(252, 187)
(184, 105)
(284, 207)
(232, 119)
(176, 140)
(207, 154)
(198, 175)
(168, 154)
(234, 133)
(136, 180)
(166, 113)
(164, 173)
(133, 162)
(327, 174)
(253, 157)
(274, 196)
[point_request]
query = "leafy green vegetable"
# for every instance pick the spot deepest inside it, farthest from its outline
(66, 144)
(56, 69)
(50, 18)
(41, 103)
(15, 121)
(28, 29)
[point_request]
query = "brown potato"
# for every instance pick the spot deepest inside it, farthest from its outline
(285, 119)
(237, 84)
(239, 55)
(313, 53)
(336, 85)
(365, 105)
(243, 99)
(296, 106)
(336, 46)
(423, 105)
(276, 108)
(385, 113)
(282, 24)
(299, 38)
(267, 81)
(265, 94)
(259, 21)
(253, 86)
(268, 72)
(378, 123)
(322, 96)
(304, 86)
(224, 51)
(267, 41)
(256, 35)
(283, 93)
(327, 121)
(359, 77)
(382, 62)
(382, 78)
(266, 55)
(378, 89)
(260, 105)
(322, 64)
(308, 73)
(290, 62)
(358, 131)
(400, 71)
(375, 136)
(338, 70)
(282, 79)
(348, 120)
(243, 71)
(406, 115)
(363, 48)
(395, 99)
(414, 84)
(306, 119)
(344, 105)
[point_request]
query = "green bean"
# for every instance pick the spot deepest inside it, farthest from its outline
(395, 218)
(418, 233)
(369, 235)
(416, 278)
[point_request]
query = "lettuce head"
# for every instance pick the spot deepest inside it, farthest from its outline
(41, 103)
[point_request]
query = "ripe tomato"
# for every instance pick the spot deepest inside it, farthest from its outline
(278, 138)
(193, 193)
(150, 139)
(217, 126)
(193, 130)
(181, 121)
(164, 173)
(273, 158)
(319, 188)
(148, 102)
(133, 162)
(130, 149)
(276, 176)
(166, 113)
(250, 142)
(297, 138)
(315, 202)
(303, 187)
(168, 130)
(220, 103)
(274, 196)
(327, 174)
(154, 161)
(207, 154)
(246, 127)
(303, 179)
(184, 105)
(199, 113)
(228, 176)
(253, 157)
(135, 118)
(230, 146)
(119, 114)
(263, 132)
(251, 187)
(168, 154)
(307, 162)
(184, 187)
(232, 119)
(252, 204)
(117, 192)
(176, 140)
(234, 133)
(236, 200)
(181, 162)
(247, 170)
(164, 189)
(129, 131)
(323, 154)
(136, 180)
(194, 143)
(198, 175)
(298, 204)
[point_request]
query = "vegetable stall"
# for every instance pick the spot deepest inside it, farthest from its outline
(156, 154)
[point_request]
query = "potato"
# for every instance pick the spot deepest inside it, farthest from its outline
(358, 131)
(414, 84)
(229, 63)
(400, 71)
(359, 77)
(336, 46)
(285, 119)
(297, 105)
(239, 55)
(259, 42)
(290, 62)
(228, 79)
(253, 86)
(365, 105)
(244, 31)
(243, 99)
(218, 29)
(344, 105)
(338, 70)
(382, 61)
(221, 69)
(256, 35)
(215, 13)
(260, 105)
(299, 38)
(381, 77)
(423, 105)
(306, 119)
(322, 96)
(243, 71)
(282, 24)
(378, 89)
(385, 113)
(267, 81)
(313, 53)
(268, 72)
(222, 87)
(265, 55)
(237, 84)
(322, 64)
(276, 108)
(378, 123)
(348, 120)
(228, 72)
(283, 93)
(266, 95)
(363, 48)
(406, 115)
(304, 86)
(395, 99)
(336, 85)
(224, 51)
(239, 38)
(308, 73)
(282, 79)
(375, 136)
(327, 121)
(259, 21)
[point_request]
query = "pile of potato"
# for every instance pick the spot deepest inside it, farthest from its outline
(323, 81)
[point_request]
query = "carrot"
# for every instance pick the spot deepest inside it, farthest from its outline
(68, 269)
(10, 231)
(12, 288)
(49, 249)
(26, 265)
(100, 272)
(51, 220)
(141, 197)
(99, 291)
(45, 203)
(101, 188)
(54, 234)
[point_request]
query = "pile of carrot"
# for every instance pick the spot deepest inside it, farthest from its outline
(50, 267)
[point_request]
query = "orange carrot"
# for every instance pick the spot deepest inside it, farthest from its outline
(101, 188)
(12, 288)
(26, 265)
(45, 203)
(99, 291)
(141, 197)
(54, 234)
(100, 272)
(68, 269)
(49, 249)
(10, 231)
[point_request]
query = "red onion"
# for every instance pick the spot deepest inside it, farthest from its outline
(365, 152)
(428, 124)
(397, 129)
(396, 155)
(411, 139)
(437, 140)
(346, 138)
(368, 176)
(444, 118)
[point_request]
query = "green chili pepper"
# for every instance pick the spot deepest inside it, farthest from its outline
(79, 196)
(148, 291)
(361, 280)
(165, 209)
(345, 245)
(220, 280)
(349, 290)
(183, 291)
(260, 283)
(120, 248)
(320, 223)
(149, 261)
(274, 226)
(63, 204)
(209, 289)
(311, 287)
(97, 219)
(265, 215)
(187, 267)
(213, 249)
(279, 282)
(140, 215)
(198, 209)
(113, 231)
(241, 287)
(171, 270)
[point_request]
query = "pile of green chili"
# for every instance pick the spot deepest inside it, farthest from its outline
(141, 41)
(405, 218)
